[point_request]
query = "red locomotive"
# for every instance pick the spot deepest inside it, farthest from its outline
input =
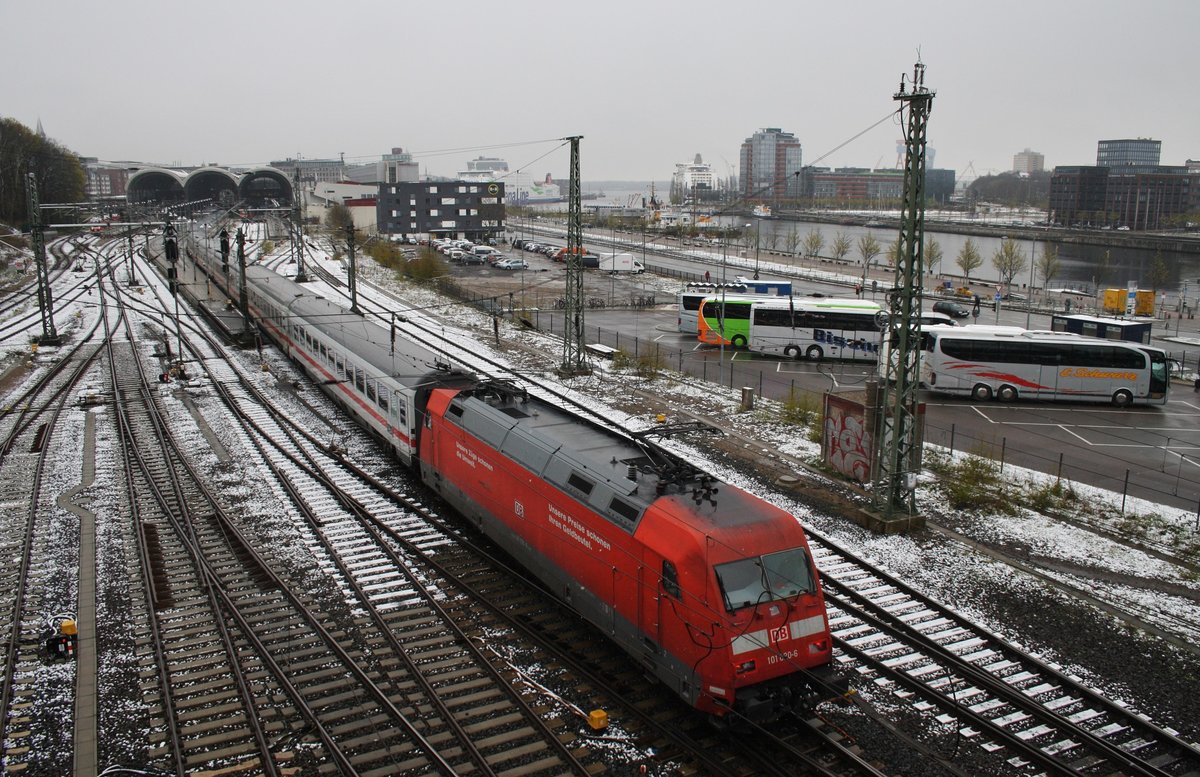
(711, 588)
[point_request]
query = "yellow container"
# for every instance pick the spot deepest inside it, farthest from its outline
(598, 720)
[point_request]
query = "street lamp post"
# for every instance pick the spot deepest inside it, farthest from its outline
(721, 320)
(757, 244)
(1029, 290)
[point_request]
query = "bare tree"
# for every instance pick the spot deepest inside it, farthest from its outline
(868, 248)
(338, 218)
(1009, 260)
(793, 240)
(840, 247)
(1159, 274)
(1047, 264)
(894, 252)
(814, 241)
(969, 259)
(933, 255)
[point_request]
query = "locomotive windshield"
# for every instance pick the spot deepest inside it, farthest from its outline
(750, 581)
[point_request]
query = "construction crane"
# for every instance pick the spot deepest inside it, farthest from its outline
(968, 176)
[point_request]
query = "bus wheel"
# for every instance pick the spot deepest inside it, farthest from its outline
(1006, 394)
(738, 341)
(1122, 398)
(791, 352)
(814, 352)
(982, 392)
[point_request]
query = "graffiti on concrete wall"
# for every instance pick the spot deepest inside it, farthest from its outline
(847, 438)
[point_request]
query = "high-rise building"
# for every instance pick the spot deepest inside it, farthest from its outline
(770, 164)
(1028, 162)
(1128, 153)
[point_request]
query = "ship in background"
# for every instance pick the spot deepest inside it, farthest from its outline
(520, 188)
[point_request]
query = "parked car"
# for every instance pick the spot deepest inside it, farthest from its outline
(952, 309)
(511, 264)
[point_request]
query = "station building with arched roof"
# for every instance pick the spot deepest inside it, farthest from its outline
(256, 186)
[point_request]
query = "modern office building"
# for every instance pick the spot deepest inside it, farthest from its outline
(469, 210)
(769, 166)
(1153, 197)
(858, 187)
(312, 170)
(1028, 162)
(1126, 153)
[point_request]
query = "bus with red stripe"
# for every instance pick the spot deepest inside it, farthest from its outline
(1009, 363)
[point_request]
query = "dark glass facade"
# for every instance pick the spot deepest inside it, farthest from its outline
(459, 209)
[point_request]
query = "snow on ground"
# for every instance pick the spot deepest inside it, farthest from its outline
(953, 574)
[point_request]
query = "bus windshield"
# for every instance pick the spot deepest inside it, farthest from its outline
(750, 581)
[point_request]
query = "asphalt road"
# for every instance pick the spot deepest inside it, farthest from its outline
(1147, 452)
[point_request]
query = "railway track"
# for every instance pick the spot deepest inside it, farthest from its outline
(405, 703)
(1010, 702)
(32, 441)
(991, 692)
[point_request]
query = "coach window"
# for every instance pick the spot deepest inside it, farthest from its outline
(670, 579)
(360, 379)
(371, 390)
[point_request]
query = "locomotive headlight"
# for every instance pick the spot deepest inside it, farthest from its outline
(748, 666)
(818, 646)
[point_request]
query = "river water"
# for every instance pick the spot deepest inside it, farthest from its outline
(1082, 267)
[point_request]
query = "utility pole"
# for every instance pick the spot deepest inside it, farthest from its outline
(171, 255)
(224, 247)
(243, 298)
(352, 272)
(298, 236)
(897, 438)
(574, 362)
(129, 235)
(45, 300)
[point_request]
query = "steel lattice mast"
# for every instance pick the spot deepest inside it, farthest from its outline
(898, 438)
(38, 238)
(574, 362)
(298, 229)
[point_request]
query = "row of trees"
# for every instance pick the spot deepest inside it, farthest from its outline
(1008, 260)
(57, 170)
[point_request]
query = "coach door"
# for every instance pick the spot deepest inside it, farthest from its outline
(398, 422)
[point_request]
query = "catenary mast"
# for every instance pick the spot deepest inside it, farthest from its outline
(574, 362)
(897, 437)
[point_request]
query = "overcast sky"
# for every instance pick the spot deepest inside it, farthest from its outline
(647, 84)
